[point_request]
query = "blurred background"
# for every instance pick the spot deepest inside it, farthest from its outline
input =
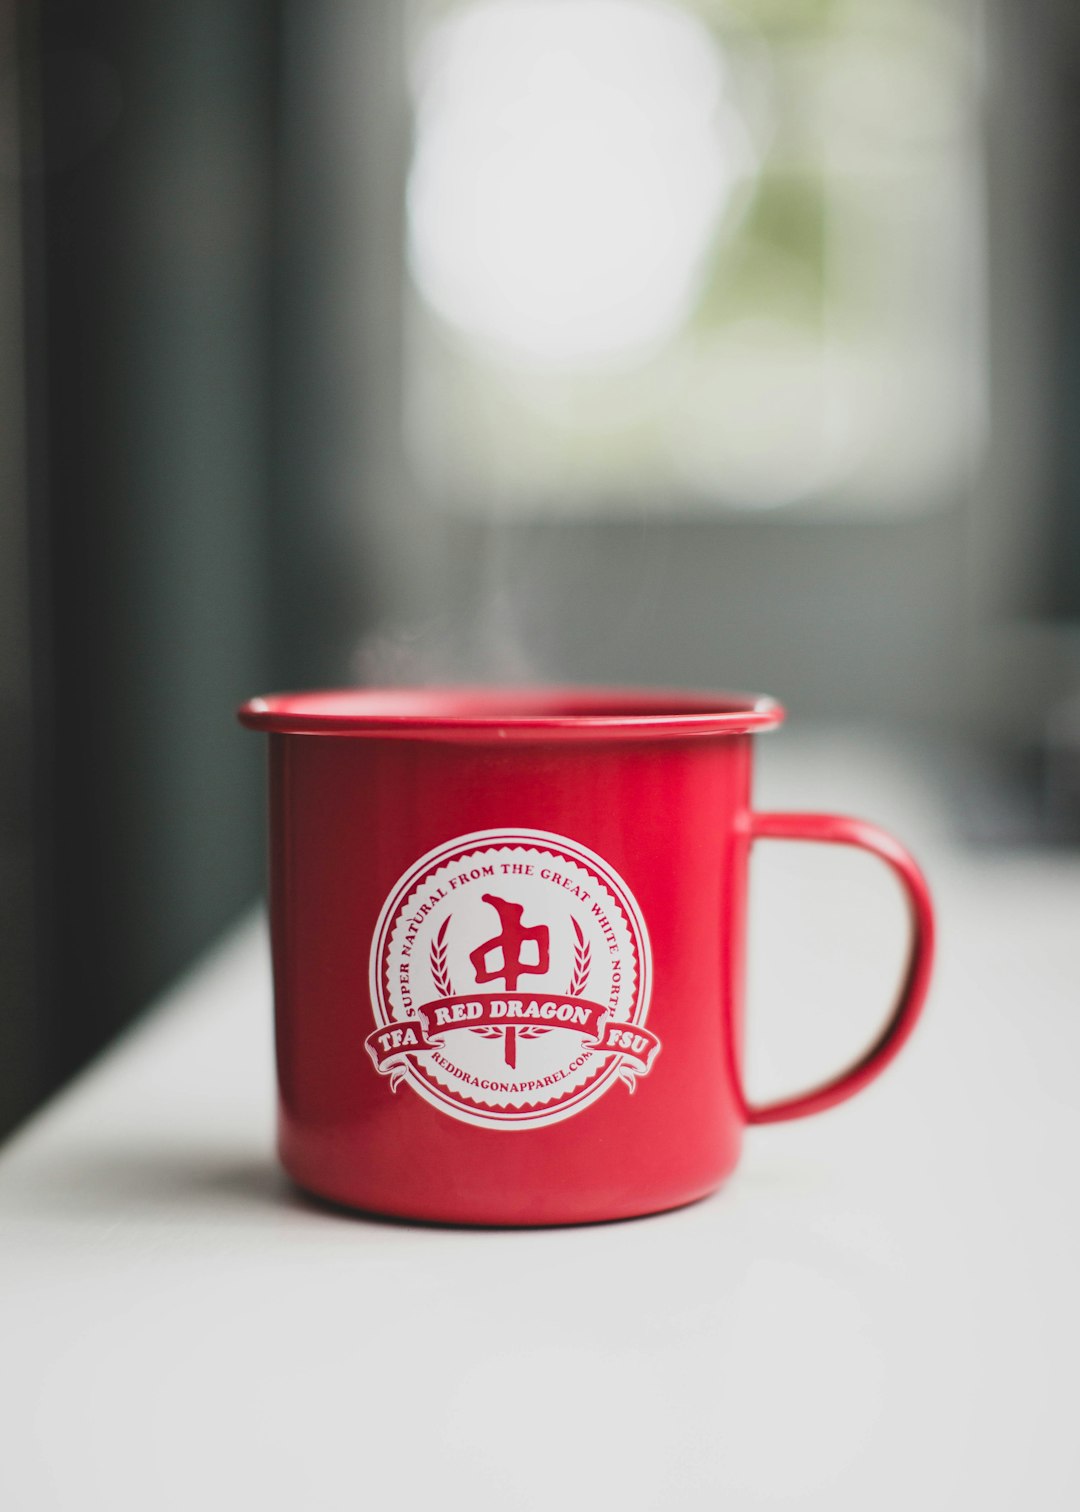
(703, 342)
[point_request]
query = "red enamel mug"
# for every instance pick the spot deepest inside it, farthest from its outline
(509, 933)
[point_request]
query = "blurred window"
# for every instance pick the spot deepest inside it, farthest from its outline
(695, 257)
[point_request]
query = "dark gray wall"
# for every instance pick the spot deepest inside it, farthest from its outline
(146, 207)
(18, 993)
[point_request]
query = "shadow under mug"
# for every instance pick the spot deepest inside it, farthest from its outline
(509, 934)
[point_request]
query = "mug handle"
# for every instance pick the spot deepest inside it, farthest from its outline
(833, 829)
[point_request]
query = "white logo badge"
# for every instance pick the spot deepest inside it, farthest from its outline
(510, 980)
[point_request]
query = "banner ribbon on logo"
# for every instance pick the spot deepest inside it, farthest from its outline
(394, 1042)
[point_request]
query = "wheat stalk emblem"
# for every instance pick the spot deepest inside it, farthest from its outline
(582, 962)
(439, 973)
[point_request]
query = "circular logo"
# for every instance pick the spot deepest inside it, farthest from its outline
(510, 980)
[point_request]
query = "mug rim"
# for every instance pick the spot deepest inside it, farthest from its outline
(562, 711)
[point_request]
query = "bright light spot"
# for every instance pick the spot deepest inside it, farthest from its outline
(572, 158)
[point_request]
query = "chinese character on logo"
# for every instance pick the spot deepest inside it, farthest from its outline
(512, 963)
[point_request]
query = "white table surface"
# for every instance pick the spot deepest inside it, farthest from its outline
(878, 1312)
